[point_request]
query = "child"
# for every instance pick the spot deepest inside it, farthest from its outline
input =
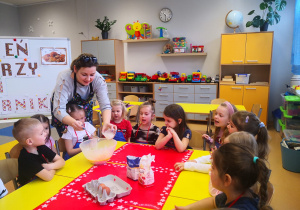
(247, 121)
(145, 132)
(221, 119)
(235, 169)
(35, 158)
(49, 141)
(176, 133)
(202, 164)
(118, 115)
(73, 137)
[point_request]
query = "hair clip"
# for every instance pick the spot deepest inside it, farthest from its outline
(69, 110)
(247, 119)
(261, 124)
(80, 106)
(255, 159)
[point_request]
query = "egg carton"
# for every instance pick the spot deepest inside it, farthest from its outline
(118, 188)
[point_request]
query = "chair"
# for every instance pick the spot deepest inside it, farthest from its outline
(217, 101)
(131, 98)
(9, 171)
(256, 109)
(14, 152)
(97, 122)
(60, 146)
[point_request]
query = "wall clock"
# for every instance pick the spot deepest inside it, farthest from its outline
(165, 15)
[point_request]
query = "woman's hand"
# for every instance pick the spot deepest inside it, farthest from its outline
(109, 126)
(78, 125)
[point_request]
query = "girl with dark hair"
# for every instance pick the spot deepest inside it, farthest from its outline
(176, 133)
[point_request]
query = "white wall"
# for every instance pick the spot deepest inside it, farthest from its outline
(201, 21)
(9, 21)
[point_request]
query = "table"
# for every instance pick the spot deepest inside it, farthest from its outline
(205, 109)
(189, 186)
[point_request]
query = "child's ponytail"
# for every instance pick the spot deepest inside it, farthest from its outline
(262, 141)
(263, 179)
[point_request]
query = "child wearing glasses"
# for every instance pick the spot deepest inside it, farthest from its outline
(78, 85)
(73, 137)
(118, 115)
(145, 132)
(35, 159)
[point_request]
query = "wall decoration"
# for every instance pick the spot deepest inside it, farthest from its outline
(53, 56)
(2, 87)
(43, 103)
(138, 30)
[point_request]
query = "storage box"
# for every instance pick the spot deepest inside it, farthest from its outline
(290, 159)
(134, 89)
(179, 49)
(242, 78)
(127, 88)
(283, 100)
(282, 128)
(290, 122)
(292, 105)
(292, 135)
(143, 88)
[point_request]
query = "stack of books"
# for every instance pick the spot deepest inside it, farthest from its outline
(228, 80)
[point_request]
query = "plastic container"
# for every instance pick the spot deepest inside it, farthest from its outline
(290, 122)
(143, 88)
(292, 105)
(134, 89)
(127, 88)
(292, 135)
(290, 159)
(242, 78)
(282, 128)
(98, 150)
(283, 100)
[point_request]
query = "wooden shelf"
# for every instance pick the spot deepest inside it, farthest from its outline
(140, 93)
(146, 40)
(181, 54)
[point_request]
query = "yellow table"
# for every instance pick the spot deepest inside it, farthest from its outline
(34, 193)
(205, 109)
(189, 187)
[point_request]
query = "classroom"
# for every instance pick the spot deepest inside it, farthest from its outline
(205, 41)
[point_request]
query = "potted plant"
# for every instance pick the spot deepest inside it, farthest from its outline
(270, 14)
(104, 26)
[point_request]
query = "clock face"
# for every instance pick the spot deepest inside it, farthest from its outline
(165, 15)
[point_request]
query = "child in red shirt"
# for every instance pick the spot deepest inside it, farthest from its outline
(118, 115)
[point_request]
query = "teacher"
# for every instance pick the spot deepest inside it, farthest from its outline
(78, 85)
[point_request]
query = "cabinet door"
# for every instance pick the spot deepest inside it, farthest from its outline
(257, 95)
(90, 47)
(259, 48)
(106, 52)
(232, 93)
(233, 48)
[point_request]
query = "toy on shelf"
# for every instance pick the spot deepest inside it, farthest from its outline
(174, 77)
(155, 77)
(208, 80)
(168, 48)
(130, 76)
(123, 76)
(203, 79)
(197, 48)
(183, 77)
(138, 30)
(189, 78)
(164, 77)
(161, 32)
(141, 77)
(179, 44)
(196, 76)
(107, 77)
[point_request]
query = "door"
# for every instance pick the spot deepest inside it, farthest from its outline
(259, 48)
(232, 93)
(233, 48)
(257, 95)
(106, 52)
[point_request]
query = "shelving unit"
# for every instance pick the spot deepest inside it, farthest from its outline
(182, 54)
(146, 40)
(136, 86)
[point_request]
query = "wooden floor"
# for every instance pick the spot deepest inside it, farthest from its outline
(286, 183)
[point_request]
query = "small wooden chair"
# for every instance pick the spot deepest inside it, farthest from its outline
(217, 101)
(14, 152)
(131, 98)
(60, 146)
(9, 171)
(132, 114)
(256, 109)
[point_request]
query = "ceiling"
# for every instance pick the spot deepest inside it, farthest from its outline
(20, 3)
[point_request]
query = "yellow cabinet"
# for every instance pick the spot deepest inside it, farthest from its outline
(246, 48)
(233, 49)
(232, 93)
(257, 95)
(259, 48)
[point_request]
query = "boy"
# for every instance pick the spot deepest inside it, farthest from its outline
(35, 158)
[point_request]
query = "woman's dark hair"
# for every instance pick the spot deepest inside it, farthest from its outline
(238, 161)
(84, 60)
(43, 119)
(249, 122)
(176, 112)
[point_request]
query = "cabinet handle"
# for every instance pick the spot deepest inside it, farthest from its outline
(237, 61)
(204, 87)
(237, 88)
(204, 96)
(250, 88)
(163, 94)
(163, 86)
(183, 96)
(252, 61)
(183, 88)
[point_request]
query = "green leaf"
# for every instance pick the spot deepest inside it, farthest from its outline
(251, 12)
(249, 23)
(280, 4)
(277, 17)
(263, 6)
(270, 17)
(256, 18)
(270, 9)
(256, 23)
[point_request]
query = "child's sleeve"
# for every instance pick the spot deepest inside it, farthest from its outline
(199, 167)
(204, 159)
(187, 134)
(128, 130)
